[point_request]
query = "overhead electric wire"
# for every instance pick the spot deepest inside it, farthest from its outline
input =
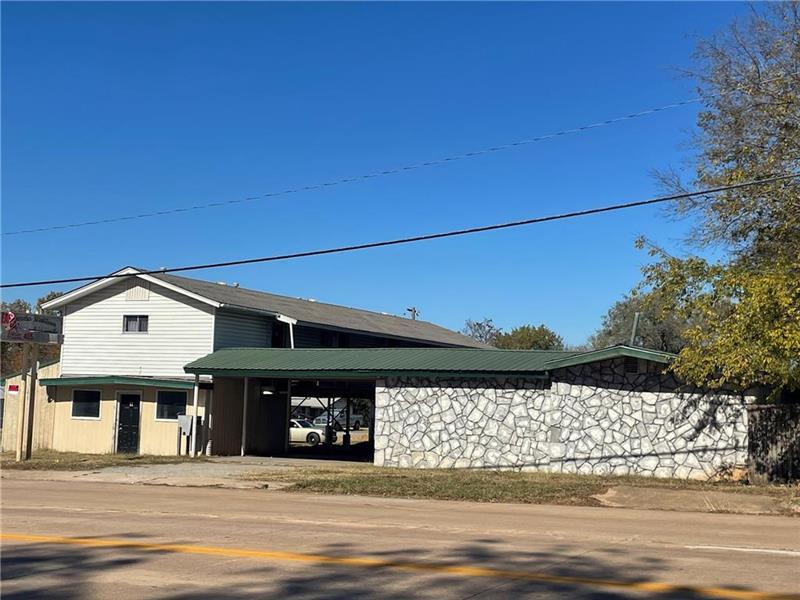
(413, 239)
(385, 172)
(363, 177)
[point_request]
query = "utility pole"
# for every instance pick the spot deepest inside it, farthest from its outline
(21, 408)
(635, 327)
(30, 404)
(414, 312)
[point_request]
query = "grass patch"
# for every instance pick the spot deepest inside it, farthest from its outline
(50, 460)
(490, 485)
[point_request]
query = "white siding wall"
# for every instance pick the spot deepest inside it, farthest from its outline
(180, 330)
(235, 330)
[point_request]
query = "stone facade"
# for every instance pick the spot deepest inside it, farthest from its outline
(600, 418)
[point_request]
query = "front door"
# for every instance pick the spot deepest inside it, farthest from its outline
(128, 427)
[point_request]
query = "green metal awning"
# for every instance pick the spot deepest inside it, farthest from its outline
(325, 363)
(174, 384)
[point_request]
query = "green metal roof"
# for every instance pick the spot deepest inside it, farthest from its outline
(607, 353)
(376, 362)
(347, 362)
(173, 384)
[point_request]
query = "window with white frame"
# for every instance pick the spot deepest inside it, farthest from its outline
(135, 323)
(86, 404)
(170, 404)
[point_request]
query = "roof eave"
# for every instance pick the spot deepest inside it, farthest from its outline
(610, 353)
(99, 284)
(359, 373)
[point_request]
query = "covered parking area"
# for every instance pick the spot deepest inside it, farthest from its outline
(287, 402)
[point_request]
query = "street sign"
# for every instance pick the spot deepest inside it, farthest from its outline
(30, 329)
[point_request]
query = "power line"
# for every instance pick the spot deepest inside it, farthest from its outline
(386, 172)
(418, 238)
(364, 177)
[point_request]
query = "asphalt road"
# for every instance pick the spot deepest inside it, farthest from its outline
(96, 540)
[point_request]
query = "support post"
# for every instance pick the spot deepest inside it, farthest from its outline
(346, 436)
(21, 404)
(195, 402)
(209, 420)
(329, 426)
(30, 393)
(244, 415)
(288, 412)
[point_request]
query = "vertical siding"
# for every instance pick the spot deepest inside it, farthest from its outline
(235, 329)
(306, 336)
(67, 434)
(180, 330)
(226, 416)
(93, 436)
(309, 336)
(44, 412)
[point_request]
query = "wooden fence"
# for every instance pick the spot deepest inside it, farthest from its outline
(774, 442)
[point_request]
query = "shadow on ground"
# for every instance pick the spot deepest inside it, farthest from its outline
(65, 571)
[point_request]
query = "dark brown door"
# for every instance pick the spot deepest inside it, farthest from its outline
(128, 428)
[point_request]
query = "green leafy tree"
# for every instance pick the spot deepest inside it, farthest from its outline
(11, 353)
(656, 330)
(484, 331)
(530, 337)
(744, 309)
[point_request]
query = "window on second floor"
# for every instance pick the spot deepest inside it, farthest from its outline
(134, 324)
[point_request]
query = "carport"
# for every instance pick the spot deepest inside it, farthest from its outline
(259, 391)
(254, 387)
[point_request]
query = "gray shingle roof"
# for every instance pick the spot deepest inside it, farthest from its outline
(320, 313)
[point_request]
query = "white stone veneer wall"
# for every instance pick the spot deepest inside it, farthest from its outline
(587, 419)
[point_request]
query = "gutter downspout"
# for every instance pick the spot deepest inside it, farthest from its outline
(291, 322)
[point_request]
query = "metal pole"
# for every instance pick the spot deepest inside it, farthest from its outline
(244, 415)
(346, 436)
(195, 402)
(635, 327)
(209, 421)
(21, 404)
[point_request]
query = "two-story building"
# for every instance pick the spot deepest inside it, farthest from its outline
(141, 349)
(120, 384)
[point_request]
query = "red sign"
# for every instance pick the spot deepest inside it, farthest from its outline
(9, 320)
(13, 388)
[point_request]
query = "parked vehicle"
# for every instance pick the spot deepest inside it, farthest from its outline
(339, 420)
(302, 431)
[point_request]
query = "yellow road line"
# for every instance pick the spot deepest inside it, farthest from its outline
(460, 570)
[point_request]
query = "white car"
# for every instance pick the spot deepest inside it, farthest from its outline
(303, 431)
(339, 420)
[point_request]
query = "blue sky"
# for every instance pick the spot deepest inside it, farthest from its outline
(113, 108)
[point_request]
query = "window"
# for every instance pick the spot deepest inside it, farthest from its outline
(86, 404)
(134, 323)
(631, 365)
(170, 404)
